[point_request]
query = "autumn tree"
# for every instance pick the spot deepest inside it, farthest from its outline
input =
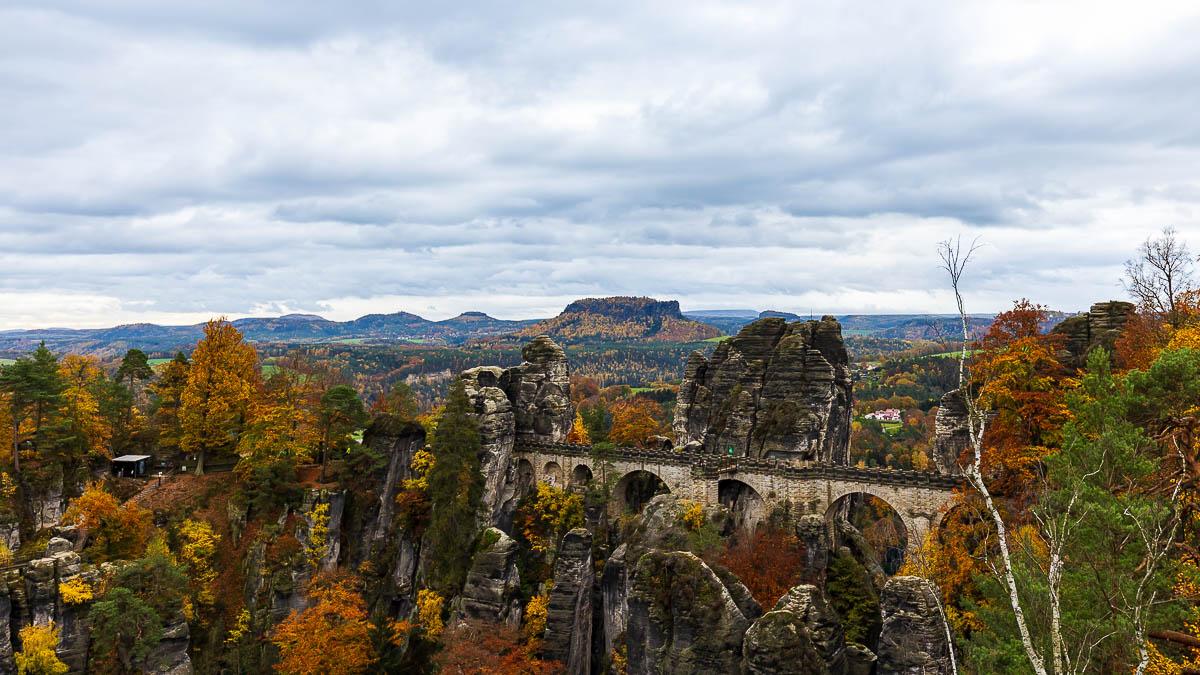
(635, 420)
(84, 429)
(283, 422)
(1019, 381)
(477, 648)
(114, 530)
(34, 388)
(331, 637)
(166, 400)
(455, 492)
(37, 655)
(769, 561)
(222, 382)
(579, 433)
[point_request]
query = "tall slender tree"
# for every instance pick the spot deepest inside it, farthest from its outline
(222, 381)
(455, 491)
(35, 391)
(341, 414)
(167, 396)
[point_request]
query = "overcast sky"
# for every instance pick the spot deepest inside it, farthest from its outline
(167, 161)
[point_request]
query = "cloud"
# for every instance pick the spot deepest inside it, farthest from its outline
(186, 159)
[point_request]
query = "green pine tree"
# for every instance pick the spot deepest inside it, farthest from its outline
(455, 491)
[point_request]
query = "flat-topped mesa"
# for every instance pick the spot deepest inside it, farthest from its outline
(776, 390)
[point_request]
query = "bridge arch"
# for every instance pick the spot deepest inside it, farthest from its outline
(743, 501)
(552, 474)
(581, 475)
(636, 488)
(914, 522)
(890, 533)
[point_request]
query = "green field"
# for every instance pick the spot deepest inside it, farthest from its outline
(955, 354)
(7, 362)
(157, 362)
(719, 338)
(890, 428)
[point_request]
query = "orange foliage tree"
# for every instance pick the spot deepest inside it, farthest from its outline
(1023, 386)
(115, 530)
(769, 562)
(222, 382)
(284, 420)
(634, 420)
(477, 648)
(330, 637)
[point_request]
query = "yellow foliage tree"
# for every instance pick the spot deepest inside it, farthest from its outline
(37, 656)
(579, 433)
(318, 534)
(83, 379)
(547, 514)
(168, 396)
(429, 612)
(75, 591)
(284, 422)
(222, 382)
(536, 611)
(197, 546)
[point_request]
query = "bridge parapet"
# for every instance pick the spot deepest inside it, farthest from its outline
(710, 465)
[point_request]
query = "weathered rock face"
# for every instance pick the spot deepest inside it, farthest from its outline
(398, 441)
(779, 643)
(170, 656)
(1100, 326)
(531, 402)
(539, 390)
(913, 639)
(682, 619)
(493, 582)
(7, 665)
(775, 390)
(568, 637)
(952, 435)
(497, 433)
(813, 533)
(657, 527)
(820, 621)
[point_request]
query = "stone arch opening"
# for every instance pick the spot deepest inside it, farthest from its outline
(636, 488)
(581, 475)
(744, 503)
(552, 474)
(878, 532)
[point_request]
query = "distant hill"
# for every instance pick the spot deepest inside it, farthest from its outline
(622, 318)
(290, 328)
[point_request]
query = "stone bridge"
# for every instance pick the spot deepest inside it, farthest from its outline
(750, 487)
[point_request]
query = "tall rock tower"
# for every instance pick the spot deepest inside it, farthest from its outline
(775, 390)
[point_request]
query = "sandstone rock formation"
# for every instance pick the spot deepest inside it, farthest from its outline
(913, 639)
(529, 402)
(774, 390)
(493, 582)
(398, 441)
(497, 433)
(951, 434)
(539, 390)
(1100, 326)
(779, 643)
(682, 619)
(7, 665)
(807, 604)
(568, 636)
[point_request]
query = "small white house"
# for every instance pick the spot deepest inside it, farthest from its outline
(885, 415)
